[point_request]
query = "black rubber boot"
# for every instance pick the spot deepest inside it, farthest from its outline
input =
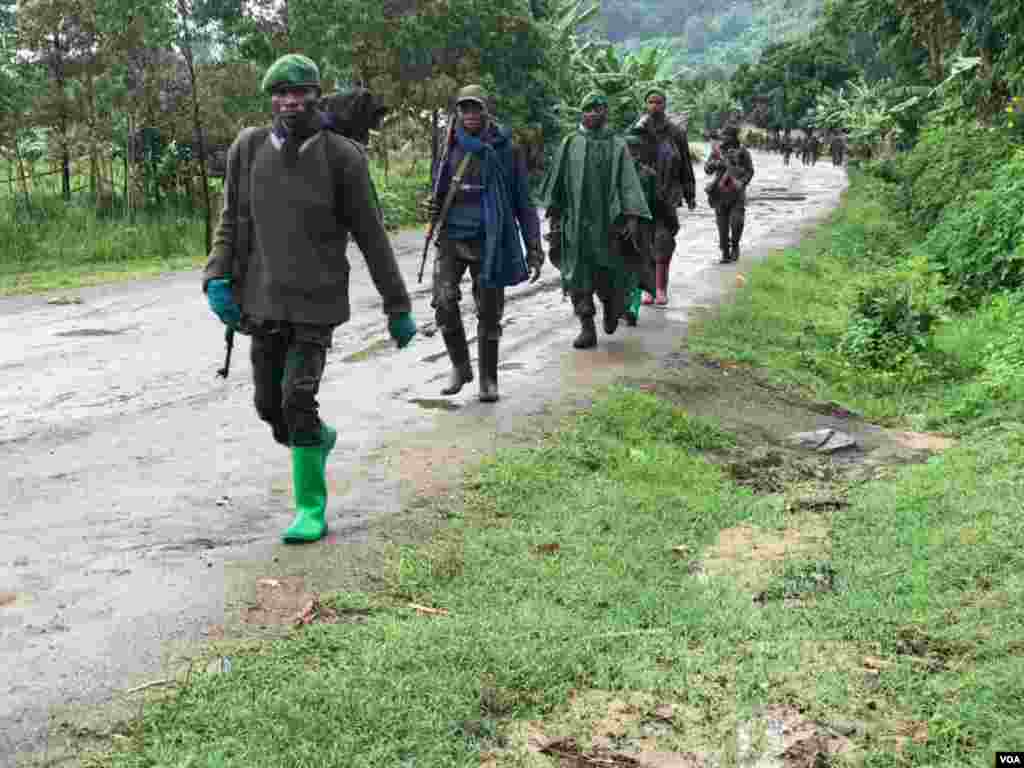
(588, 334)
(610, 319)
(458, 353)
(726, 256)
(734, 254)
(488, 354)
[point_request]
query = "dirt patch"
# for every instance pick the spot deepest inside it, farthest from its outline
(278, 602)
(750, 555)
(431, 470)
(923, 441)
(780, 736)
(603, 728)
(633, 730)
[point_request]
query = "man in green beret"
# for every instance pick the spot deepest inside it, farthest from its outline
(279, 272)
(594, 200)
(668, 153)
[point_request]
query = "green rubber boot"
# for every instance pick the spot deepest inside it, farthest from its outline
(309, 478)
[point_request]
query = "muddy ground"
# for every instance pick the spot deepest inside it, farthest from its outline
(144, 499)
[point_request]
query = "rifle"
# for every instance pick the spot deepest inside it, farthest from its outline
(449, 140)
(251, 138)
(229, 343)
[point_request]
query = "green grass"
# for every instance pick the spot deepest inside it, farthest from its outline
(559, 576)
(794, 314)
(58, 245)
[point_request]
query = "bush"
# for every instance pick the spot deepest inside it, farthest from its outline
(946, 165)
(886, 324)
(979, 246)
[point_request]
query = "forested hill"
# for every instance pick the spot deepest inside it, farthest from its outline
(708, 34)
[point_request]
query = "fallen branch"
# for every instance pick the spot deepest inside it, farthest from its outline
(426, 609)
(154, 684)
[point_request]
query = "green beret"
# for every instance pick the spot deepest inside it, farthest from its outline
(473, 93)
(657, 91)
(594, 99)
(292, 69)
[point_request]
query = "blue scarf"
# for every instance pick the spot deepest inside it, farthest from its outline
(503, 261)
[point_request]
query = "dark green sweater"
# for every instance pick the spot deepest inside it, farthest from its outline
(297, 270)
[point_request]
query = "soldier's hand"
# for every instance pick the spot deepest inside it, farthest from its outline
(222, 301)
(402, 328)
(534, 259)
(632, 228)
(431, 208)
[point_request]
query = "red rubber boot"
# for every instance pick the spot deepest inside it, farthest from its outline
(661, 298)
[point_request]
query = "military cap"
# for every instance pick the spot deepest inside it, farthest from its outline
(653, 91)
(292, 69)
(473, 93)
(594, 99)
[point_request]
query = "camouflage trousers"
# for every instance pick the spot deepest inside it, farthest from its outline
(666, 227)
(288, 361)
(730, 220)
(454, 258)
(612, 294)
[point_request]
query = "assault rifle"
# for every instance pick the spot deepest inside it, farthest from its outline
(452, 189)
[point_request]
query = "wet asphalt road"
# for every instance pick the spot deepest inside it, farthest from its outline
(133, 475)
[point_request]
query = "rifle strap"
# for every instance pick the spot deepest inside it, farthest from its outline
(250, 140)
(453, 187)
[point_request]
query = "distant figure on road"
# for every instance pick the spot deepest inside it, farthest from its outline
(813, 148)
(733, 168)
(838, 149)
(667, 151)
(786, 147)
(594, 200)
(643, 246)
(485, 175)
(278, 268)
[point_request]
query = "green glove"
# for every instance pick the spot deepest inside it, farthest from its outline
(402, 328)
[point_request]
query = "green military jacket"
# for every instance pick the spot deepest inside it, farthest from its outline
(288, 259)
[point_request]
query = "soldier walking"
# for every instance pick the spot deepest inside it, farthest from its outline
(485, 175)
(787, 149)
(813, 149)
(733, 168)
(279, 272)
(667, 151)
(594, 200)
(838, 149)
(642, 250)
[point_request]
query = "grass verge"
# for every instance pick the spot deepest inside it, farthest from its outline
(612, 594)
(67, 246)
(579, 576)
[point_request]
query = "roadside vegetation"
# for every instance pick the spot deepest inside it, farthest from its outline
(51, 244)
(642, 580)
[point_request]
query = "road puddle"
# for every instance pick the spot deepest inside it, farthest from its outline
(435, 403)
(90, 332)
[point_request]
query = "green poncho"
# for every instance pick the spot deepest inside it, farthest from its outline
(593, 184)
